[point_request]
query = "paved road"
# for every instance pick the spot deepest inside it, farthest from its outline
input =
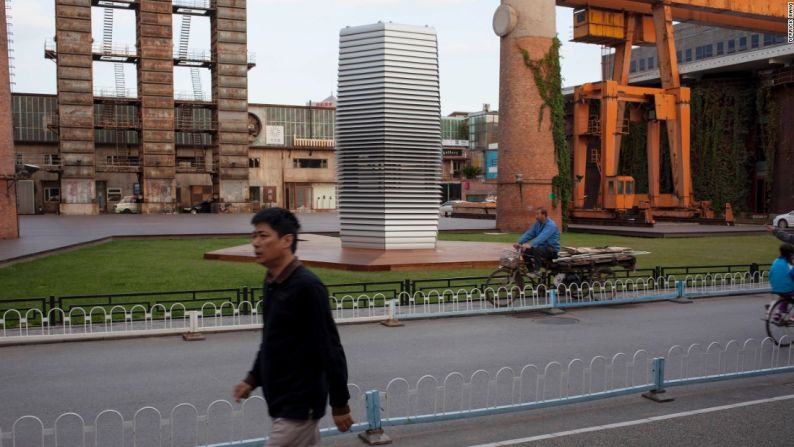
(48, 232)
(47, 380)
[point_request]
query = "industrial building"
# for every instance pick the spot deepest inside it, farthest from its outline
(291, 157)
(111, 140)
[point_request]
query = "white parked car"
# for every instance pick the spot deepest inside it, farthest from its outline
(784, 220)
(446, 207)
(128, 205)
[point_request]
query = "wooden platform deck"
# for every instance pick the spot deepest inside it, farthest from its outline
(325, 251)
(669, 230)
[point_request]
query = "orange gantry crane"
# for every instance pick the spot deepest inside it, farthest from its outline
(622, 24)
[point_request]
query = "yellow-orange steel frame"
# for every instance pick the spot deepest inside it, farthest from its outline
(670, 102)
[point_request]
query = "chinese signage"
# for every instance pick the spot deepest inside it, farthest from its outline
(461, 143)
(274, 135)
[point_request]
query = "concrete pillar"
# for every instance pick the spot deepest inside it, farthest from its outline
(156, 90)
(75, 106)
(9, 221)
(230, 95)
(527, 162)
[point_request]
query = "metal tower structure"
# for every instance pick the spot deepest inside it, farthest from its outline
(388, 137)
(158, 122)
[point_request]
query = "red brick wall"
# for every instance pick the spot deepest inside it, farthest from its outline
(9, 226)
(524, 148)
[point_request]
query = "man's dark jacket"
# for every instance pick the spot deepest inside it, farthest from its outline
(301, 360)
(783, 236)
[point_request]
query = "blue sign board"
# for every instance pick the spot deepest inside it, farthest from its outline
(491, 164)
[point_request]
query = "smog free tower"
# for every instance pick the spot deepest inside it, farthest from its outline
(388, 130)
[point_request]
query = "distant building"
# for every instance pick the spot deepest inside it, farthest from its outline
(329, 103)
(700, 43)
(291, 157)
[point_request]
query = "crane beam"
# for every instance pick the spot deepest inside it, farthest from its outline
(752, 15)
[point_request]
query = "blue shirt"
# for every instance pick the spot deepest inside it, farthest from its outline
(543, 235)
(781, 276)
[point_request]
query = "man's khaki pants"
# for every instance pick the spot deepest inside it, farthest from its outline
(294, 433)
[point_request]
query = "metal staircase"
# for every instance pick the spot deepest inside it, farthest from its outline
(10, 35)
(184, 42)
(107, 48)
(187, 114)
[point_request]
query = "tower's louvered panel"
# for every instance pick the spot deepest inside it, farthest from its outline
(388, 136)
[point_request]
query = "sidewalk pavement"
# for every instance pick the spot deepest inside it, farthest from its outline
(47, 233)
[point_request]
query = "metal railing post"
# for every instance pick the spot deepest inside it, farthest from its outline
(657, 376)
(754, 269)
(50, 312)
(554, 303)
(374, 434)
(246, 295)
(680, 293)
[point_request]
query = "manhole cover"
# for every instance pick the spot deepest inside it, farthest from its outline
(625, 306)
(557, 320)
(532, 315)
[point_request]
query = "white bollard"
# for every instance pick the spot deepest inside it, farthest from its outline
(392, 320)
(193, 333)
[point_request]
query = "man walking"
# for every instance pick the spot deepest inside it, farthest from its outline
(545, 237)
(300, 360)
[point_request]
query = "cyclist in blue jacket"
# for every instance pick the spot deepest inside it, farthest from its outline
(545, 237)
(781, 274)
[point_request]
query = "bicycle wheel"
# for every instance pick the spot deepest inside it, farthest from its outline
(780, 322)
(498, 288)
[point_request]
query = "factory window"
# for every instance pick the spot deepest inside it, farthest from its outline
(688, 55)
(52, 194)
(708, 50)
(633, 67)
(678, 56)
(720, 48)
(779, 38)
(642, 64)
(253, 162)
(650, 63)
(255, 194)
(754, 41)
(731, 46)
(743, 43)
(699, 53)
(309, 163)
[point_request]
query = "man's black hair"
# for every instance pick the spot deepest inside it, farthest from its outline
(282, 221)
(787, 252)
(543, 211)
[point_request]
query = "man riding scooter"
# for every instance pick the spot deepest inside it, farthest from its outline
(545, 237)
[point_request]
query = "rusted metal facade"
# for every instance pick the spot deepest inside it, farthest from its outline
(161, 119)
(230, 93)
(75, 106)
(156, 91)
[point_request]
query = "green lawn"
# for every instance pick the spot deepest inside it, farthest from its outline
(156, 265)
(720, 250)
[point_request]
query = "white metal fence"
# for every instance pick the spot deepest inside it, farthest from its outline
(427, 399)
(33, 325)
